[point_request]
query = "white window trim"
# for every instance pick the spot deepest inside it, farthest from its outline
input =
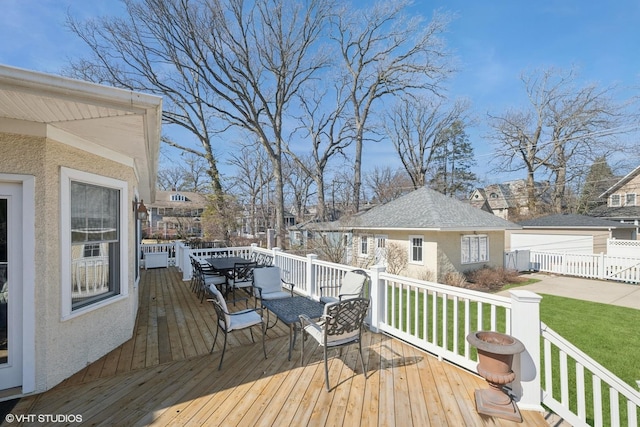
(66, 176)
(360, 253)
(619, 200)
(635, 199)
(410, 252)
(477, 236)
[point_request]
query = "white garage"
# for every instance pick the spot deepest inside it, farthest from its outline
(577, 234)
(581, 244)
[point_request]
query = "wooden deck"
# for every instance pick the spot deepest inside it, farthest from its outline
(165, 375)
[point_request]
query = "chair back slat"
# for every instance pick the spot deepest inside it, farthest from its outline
(345, 316)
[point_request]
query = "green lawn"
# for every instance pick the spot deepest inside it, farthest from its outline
(607, 333)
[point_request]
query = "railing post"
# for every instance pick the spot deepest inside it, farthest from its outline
(311, 277)
(525, 326)
(186, 264)
(377, 297)
(276, 252)
(602, 275)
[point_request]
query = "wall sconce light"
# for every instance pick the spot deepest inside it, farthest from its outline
(140, 210)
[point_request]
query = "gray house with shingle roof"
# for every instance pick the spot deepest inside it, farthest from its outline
(425, 234)
(568, 233)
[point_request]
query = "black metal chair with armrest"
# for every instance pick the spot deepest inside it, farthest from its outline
(339, 326)
(229, 322)
(268, 284)
(352, 285)
(242, 278)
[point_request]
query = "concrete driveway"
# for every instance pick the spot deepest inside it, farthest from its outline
(604, 291)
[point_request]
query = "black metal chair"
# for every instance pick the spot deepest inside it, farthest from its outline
(268, 285)
(204, 277)
(229, 322)
(340, 325)
(241, 278)
(352, 285)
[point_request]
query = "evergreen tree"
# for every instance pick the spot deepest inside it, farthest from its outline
(453, 159)
(599, 179)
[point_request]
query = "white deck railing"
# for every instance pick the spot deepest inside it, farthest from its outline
(583, 391)
(593, 266)
(169, 248)
(437, 318)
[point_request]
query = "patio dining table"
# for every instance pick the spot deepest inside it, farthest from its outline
(225, 265)
(289, 310)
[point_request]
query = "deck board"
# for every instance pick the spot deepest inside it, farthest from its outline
(165, 376)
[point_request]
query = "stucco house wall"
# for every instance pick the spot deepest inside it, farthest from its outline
(65, 346)
(64, 140)
(441, 252)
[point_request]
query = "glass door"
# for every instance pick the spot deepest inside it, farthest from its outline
(4, 284)
(10, 285)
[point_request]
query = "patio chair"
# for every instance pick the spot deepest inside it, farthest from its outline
(268, 285)
(241, 278)
(340, 325)
(205, 277)
(351, 286)
(229, 322)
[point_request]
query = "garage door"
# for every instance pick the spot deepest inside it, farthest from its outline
(552, 243)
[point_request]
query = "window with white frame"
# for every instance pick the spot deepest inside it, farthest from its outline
(94, 240)
(364, 245)
(630, 199)
(178, 198)
(415, 249)
(615, 200)
(474, 248)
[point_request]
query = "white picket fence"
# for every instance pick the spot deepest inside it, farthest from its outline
(592, 266)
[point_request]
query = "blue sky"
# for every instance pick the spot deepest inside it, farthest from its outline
(494, 42)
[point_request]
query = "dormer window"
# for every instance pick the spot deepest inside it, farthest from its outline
(178, 198)
(615, 200)
(493, 195)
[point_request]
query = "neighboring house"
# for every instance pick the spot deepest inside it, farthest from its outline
(76, 158)
(508, 200)
(427, 235)
(623, 200)
(331, 239)
(175, 214)
(568, 233)
(257, 224)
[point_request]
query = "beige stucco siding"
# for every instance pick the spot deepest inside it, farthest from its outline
(64, 347)
(441, 252)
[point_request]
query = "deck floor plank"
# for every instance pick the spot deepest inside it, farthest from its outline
(165, 376)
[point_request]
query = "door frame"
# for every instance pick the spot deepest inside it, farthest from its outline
(27, 183)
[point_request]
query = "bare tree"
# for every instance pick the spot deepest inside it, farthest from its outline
(251, 184)
(231, 62)
(299, 181)
(417, 128)
(170, 177)
(326, 131)
(387, 184)
(564, 129)
(384, 52)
